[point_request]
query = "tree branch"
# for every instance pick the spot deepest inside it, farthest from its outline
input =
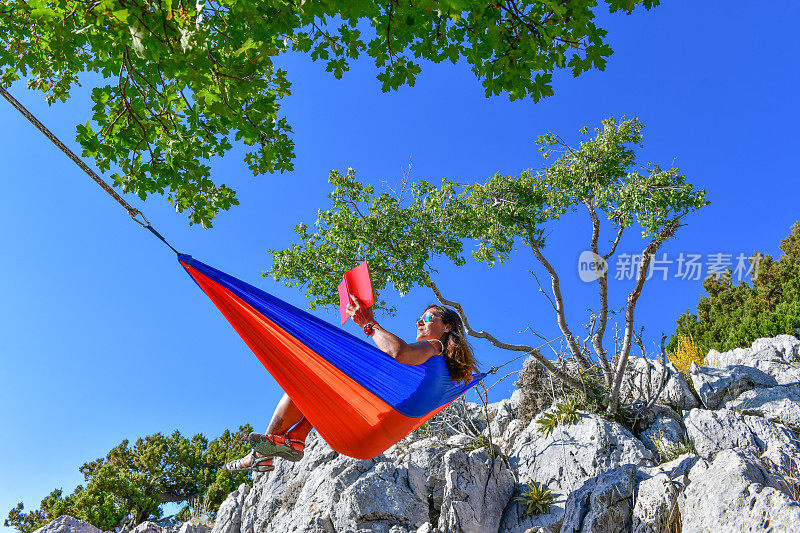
(559, 304)
(602, 281)
(500, 344)
(667, 232)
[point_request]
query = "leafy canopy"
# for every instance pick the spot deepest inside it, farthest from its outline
(733, 316)
(401, 233)
(131, 483)
(177, 82)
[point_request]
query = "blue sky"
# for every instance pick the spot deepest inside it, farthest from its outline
(104, 337)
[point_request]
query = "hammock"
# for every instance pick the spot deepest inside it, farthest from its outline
(360, 400)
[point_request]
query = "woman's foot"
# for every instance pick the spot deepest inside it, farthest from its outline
(252, 462)
(277, 446)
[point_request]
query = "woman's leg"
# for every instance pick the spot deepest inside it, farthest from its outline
(286, 415)
(301, 430)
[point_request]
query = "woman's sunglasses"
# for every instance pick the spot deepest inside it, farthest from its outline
(427, 317)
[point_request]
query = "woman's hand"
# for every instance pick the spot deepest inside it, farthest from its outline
(360, 315)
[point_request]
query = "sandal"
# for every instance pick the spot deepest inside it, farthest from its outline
(250, 463)
(277, 446)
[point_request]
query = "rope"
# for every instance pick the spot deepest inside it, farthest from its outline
(494, 369)
(132, 211)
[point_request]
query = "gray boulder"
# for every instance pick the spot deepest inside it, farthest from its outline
(781, 403)
(603, 504)
(657, 491)
(330, 492)
(777, 357)
(643, 375)
(476, 492)
(564, 460)
(716, 385)
(378, 498)
(149, 527)
(735, 493)
(68, 524)
(715, 431)
(656, 505)
(664, 432)
(229, 515)
(504, 426)
(189, 527)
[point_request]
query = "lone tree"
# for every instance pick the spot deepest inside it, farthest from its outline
(400, 233)
(174, 81)
(131, 483)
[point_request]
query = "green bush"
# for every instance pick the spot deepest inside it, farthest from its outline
(131, 483)
(733, 316)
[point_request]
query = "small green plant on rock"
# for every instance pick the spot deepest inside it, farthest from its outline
(565, 412)
(536, 499)
(668, 451)
(481, 441)
(547, 423)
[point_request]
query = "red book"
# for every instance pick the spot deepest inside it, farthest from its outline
(358, 283)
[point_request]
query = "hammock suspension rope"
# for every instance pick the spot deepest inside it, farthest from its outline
(134, 213)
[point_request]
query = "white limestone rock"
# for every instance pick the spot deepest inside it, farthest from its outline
(188, 527)
(603, 504)
(656, 507)
(476, 492)
(644, 374)
(68, 524)
(733, 494)
(503, 424)
(665, 430)
(564, 460)
(229, 515)
(781, 403)
(149, 527)
(715, 431)
(778, 357)
(717, 385)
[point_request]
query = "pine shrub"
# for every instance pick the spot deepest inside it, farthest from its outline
(733, 316)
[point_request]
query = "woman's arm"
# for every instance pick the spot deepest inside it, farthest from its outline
(408, 354)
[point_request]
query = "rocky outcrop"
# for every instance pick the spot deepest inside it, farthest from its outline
(778, 357)
(717, 385)
(657, 492)
(189, 527)
(565, 459)
(229, 515)
(781, 404)
(744, 476)
(716, 431)
(601, 504)
(643, 375)
(664, 432)
(150, 527)
(735, 493)
(477, 490)
(68, 524)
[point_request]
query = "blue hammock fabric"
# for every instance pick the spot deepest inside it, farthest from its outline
(315, 361)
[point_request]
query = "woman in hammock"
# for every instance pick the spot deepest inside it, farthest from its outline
(439, 332)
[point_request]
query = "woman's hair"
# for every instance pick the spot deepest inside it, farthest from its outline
(456, 350)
